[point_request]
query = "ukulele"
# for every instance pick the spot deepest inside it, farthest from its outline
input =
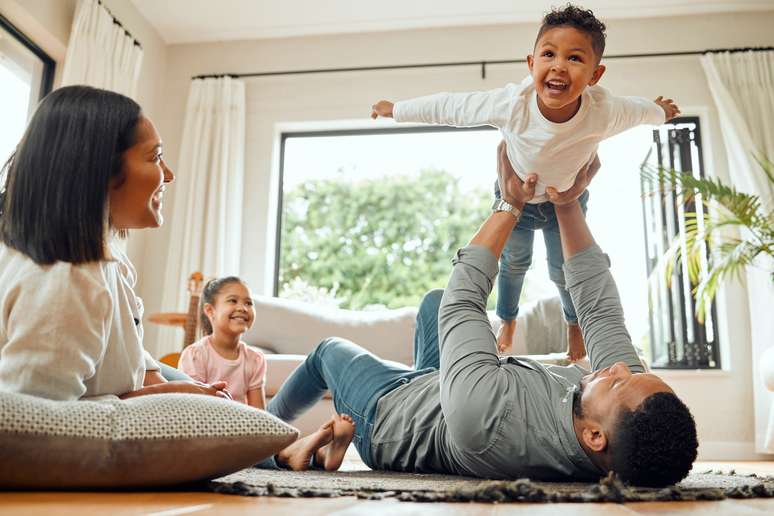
(195, 283)
(189, 321)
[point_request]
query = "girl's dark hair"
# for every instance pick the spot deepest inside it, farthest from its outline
(211, 289)
(54, 187)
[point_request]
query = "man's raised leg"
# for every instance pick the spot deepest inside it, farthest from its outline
(356, 379)
(426, 352)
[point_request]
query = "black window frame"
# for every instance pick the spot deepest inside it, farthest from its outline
(49, 65)
(679, 350)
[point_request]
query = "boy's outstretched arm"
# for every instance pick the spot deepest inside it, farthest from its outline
(468, 109)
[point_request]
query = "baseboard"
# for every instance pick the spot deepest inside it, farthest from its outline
(730, 450)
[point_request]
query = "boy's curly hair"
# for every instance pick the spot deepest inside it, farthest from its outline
(655, 444)
(581, 19)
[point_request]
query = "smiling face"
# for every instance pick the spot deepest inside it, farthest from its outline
(606, 391)
(136, 195)
(563, 65)
(232, 313)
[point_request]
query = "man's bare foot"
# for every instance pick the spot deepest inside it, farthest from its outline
(332, 455)
(576, 349)
(505, 335)
(298, 456)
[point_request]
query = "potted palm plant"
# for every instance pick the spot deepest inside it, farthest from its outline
(711, 251)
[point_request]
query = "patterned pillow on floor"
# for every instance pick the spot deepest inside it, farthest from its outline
(155, 440)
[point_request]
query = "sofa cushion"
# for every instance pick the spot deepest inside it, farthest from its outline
(278, 369)
(155, 440)
(294, 327)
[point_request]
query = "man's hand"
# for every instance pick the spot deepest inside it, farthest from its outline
(382, 108)
(582, 180)
(513, 190)
(671, 109)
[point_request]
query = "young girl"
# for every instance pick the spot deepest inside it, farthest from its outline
(226, 313)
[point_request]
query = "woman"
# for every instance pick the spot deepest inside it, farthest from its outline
(89, 167)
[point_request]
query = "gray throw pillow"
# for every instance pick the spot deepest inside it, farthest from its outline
(156, 440)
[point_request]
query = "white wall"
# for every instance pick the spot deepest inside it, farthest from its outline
(721, 401)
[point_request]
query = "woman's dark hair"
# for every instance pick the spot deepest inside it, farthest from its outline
(577, 18)
(211, 289)
(54, 188)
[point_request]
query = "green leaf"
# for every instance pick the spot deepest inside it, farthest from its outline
(711, 256)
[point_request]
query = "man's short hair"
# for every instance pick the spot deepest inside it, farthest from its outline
(577, 18)
(655, 444)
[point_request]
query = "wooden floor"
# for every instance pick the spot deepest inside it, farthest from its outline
(200, 504)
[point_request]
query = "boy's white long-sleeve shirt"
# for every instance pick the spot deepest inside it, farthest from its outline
(70, 331)
(554, 151)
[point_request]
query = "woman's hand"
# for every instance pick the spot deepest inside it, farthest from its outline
(513, 190)
(153, 377)
(217, 389)
(582, 180)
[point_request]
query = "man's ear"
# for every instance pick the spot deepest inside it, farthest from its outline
(597, 75)
(530, 62)
(594, 437)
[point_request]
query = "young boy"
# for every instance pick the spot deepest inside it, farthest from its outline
(552, 124)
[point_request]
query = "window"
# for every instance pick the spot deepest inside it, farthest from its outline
(26, 75)
(372, 218)
(678, 339)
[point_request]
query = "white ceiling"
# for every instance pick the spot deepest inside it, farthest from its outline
(188, 21)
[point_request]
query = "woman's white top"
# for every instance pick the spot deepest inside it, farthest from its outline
(70, 331)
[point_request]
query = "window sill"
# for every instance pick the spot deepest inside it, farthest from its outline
(699, 374)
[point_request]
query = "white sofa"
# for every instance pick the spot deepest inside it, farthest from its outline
(287, 330)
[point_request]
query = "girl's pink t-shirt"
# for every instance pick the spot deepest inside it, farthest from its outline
(201, 362)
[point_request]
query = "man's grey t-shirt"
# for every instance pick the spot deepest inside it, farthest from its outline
(492, 417)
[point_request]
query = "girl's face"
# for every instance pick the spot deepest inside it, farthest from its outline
(233, 312)
(136, 196)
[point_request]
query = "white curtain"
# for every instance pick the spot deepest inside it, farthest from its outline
(206, 222)
(742, 85)
(100, 53)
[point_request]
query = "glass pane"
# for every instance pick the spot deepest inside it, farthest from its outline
(373, 220)
(21, 74)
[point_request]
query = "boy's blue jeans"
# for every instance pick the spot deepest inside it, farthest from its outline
(517, 257)
(357, 378)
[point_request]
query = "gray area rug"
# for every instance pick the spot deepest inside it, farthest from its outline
(410, 487)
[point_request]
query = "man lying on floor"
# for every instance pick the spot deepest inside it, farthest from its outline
(470, 412)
